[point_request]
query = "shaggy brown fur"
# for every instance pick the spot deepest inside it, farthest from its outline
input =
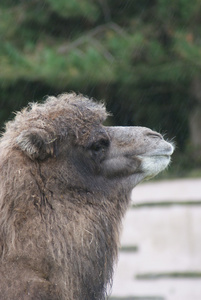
(65, 182)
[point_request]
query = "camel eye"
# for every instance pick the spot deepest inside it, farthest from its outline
(100, 145)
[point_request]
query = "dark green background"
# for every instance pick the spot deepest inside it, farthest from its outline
(141, 57)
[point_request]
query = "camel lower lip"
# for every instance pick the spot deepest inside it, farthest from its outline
(161, 155)
(156, 155)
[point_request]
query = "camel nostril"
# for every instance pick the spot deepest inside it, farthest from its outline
(154, 134)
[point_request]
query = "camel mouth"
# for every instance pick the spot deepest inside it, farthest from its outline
(160, 153)
(155, 155)
(152, 164)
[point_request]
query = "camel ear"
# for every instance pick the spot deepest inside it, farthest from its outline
(36, 144)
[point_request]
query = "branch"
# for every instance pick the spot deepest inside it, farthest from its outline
(118, 29)
(63, 49)
(103, 50)
(106, 10)
(66, 48)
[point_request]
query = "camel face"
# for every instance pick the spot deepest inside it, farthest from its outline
(136, 150)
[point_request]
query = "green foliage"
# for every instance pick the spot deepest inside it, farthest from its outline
(187, 51)
(180, 11)
(75, 8)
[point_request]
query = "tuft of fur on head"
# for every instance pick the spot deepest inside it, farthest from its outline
(50, 122)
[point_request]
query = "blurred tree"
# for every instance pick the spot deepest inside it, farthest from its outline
(141, 56)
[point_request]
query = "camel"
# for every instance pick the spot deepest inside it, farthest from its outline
(65, 185)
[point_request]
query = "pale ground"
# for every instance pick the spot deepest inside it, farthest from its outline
(168, 242)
